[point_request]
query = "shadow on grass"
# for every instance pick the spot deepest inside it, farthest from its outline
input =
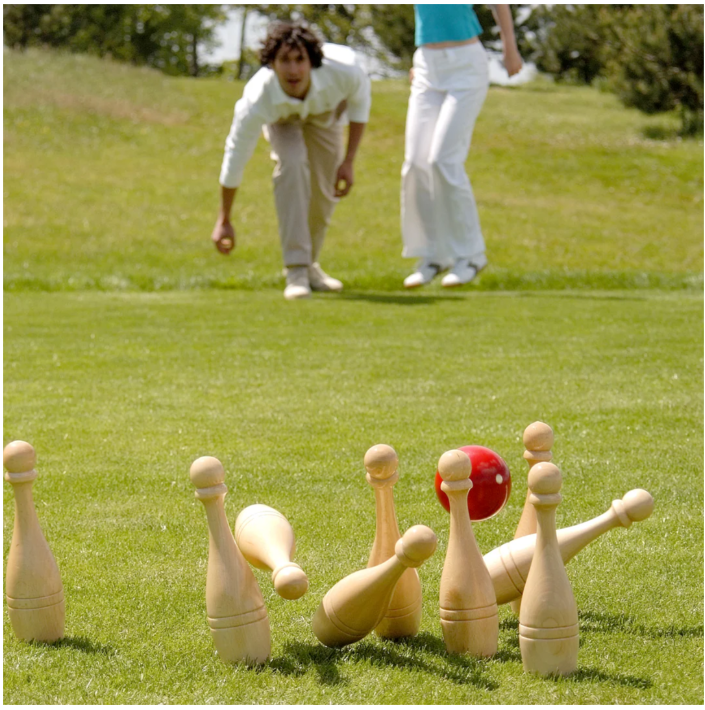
(435, 645)
(299, 657)
(80, 643)
(412, 299)
(592, 674)
(581, 295)
(597, 622)
(427, 299)
(608, 623)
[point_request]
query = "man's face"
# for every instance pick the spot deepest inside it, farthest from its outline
(293, 69)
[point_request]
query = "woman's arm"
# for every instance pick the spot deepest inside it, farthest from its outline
(512, 59)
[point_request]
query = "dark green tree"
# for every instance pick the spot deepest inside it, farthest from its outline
(569, 41)
(162, 36)
(655, 61)
(336, 23)
(21, 24)
(393, 26)
(651, 56)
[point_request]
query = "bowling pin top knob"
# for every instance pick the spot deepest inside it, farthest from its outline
(455, 468)
(208, 475)
(637, 505)
(19, 459)
(416, 546)
(545, 479)
(537, 437)
(381, 463)
(290, 582)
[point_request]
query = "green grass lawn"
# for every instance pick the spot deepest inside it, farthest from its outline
(121, 392)
(131, 348)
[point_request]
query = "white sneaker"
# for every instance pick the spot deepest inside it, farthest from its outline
(464, 271)
(426, 271)
(297, 285)
(320, 281)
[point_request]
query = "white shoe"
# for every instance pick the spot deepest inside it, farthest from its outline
(464, 271)
(320, 281)
(297, 285)
(426, 271)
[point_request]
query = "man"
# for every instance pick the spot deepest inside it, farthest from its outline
(299, 97)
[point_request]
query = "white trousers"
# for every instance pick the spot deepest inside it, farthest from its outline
(439, 218)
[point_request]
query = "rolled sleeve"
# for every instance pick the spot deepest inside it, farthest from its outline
(360, 99)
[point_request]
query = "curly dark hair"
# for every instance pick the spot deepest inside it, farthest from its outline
(293, 35)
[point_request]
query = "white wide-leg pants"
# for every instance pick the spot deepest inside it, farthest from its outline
(439, 218)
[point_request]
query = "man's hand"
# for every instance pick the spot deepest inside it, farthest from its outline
(344, 176)
(223, 237)
(512, 61)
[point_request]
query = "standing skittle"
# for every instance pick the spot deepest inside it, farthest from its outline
(403, 618)
(236, 612)
(356, 605)
(266, 539)
(35, 595)
(467, 600)
(509, 564)
(538, 440)
(548, 621)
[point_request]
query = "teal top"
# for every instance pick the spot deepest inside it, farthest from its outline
(445, 23)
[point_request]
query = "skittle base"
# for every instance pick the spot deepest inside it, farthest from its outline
(44, 624)
(473, 637)
(248, 643)
(549, 657)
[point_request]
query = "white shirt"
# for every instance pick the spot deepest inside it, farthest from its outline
(339, 78)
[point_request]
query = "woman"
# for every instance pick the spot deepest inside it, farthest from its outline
(450, 78)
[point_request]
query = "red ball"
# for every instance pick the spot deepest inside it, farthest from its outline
(491, 483)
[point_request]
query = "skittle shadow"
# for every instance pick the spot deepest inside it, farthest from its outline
(425, 642)
(463, 671)
(591, 621)
(435, 645)
(80, 643)
(596, 622)
(299, 657)
(592, 674)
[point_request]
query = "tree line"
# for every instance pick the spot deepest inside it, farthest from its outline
(651, 56)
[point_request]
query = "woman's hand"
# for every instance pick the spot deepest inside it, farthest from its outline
(512, 61)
